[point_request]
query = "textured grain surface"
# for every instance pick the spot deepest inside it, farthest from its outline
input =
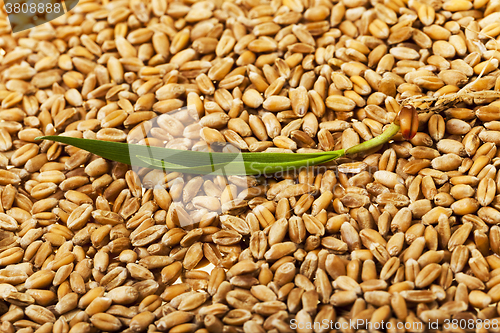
(403, 234)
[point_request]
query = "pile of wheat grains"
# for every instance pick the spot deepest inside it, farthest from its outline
(404, 236)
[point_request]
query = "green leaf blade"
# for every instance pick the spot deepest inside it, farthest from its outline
(195, 161)
(198, 162)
